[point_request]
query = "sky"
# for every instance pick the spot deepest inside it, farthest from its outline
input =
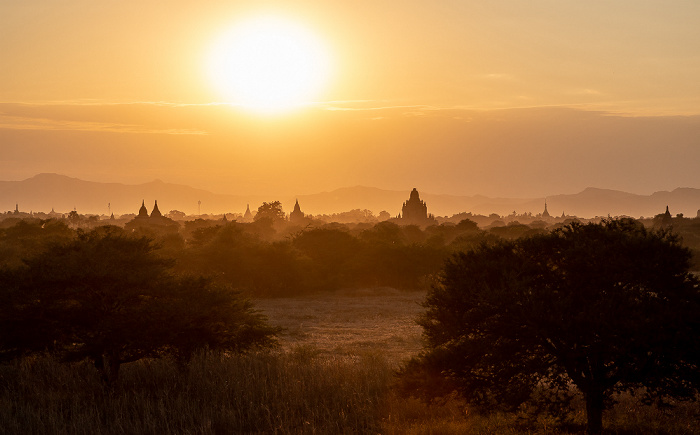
(501, 98)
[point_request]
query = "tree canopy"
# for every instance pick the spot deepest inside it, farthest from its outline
(108, 296)
(270, 211)
(609, 307)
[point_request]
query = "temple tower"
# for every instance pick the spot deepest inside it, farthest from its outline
(156, 212)
(143, 211)
(545, 213)
(414, 211)
(296, 215)
(247, 216)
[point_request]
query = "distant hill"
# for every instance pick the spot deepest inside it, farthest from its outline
(589, 203)
(46, 191)
(603, 202)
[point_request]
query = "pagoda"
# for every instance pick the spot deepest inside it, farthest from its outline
(415, 210)
(296, 216)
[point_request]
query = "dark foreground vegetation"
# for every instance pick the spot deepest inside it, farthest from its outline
(292, 392)
(529, 329)
(106, 296)
(606, 308)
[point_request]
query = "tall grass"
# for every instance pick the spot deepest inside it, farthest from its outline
(293, 392)
(297, 391)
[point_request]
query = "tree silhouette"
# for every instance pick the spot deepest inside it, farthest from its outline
(270, 210)
(609, 307)
(109, 297)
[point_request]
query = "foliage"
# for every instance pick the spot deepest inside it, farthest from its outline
(608, 307)
(292, 392)
(28, 237)
(271, 211)
(333, 252)
(108, 297)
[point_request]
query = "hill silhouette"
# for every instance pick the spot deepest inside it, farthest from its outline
(46, 191)
(62, 193)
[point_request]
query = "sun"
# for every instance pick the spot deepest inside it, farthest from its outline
(268, 64)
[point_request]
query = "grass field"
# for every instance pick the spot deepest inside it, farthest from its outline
(350, 322)
(332, 375)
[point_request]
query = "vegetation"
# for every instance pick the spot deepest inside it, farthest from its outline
(271, 211)
(296, 391)
(609, 308)
(185, 346)
(108, 297)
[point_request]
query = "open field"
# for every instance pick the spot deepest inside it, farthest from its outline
(350, 322)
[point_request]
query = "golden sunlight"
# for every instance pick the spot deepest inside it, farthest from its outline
(268, 64)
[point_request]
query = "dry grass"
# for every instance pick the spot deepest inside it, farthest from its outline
(350, 322)
(333, 375)
(215, 394)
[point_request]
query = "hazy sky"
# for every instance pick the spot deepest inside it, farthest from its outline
(502, 98)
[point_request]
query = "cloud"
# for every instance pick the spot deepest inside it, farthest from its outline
(497, 76)
(586, 91)
(100, 103)
(137, 117)
(9, 122)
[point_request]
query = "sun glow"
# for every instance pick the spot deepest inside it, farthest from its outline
(268, 64)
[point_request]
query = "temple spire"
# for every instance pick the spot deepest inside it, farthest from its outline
(156, 212)
(296, 216)
(143, 211)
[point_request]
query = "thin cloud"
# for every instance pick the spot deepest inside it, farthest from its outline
(8, 122)
(93, 103)
(586, 91)
(495, 76)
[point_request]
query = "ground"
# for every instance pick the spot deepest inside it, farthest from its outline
(352, 321)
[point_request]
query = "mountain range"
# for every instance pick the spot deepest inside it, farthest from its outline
(45, 192)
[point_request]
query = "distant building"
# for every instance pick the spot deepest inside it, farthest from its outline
(155, 222)
(143, 211)
(156, 213)
(415, 211)
(296, 216)
(545, 213)
(247, 216)
(666, 218)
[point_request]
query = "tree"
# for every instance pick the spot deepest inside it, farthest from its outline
(609, 307)
(332, 252)
(271, 211)
(108, 297)
(28, 237)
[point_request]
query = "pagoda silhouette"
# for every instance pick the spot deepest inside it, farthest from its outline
(415, 211)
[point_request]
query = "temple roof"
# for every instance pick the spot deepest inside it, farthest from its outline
(143, 211)
(156, 212)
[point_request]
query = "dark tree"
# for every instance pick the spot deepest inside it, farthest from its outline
(332, 252)
(609, 307)
(270, 211)
(27, 237)
(109, 297)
